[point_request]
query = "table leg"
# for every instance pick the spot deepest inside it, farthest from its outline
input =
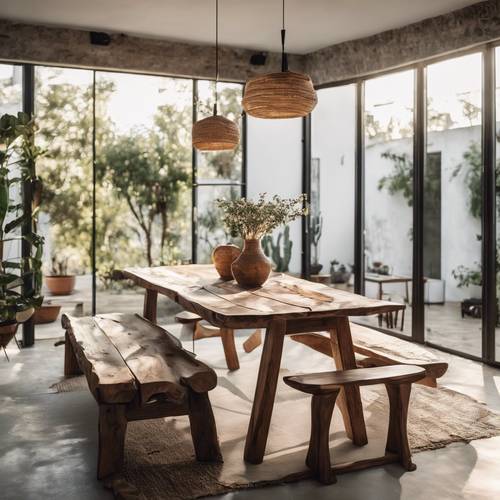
(349, 400)
(265, 391)
(227, 336)
(150, 301)
(380, 295)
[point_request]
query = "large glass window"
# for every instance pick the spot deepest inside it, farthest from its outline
(63, 113)
(218, 174)
(143, 144)
(332, 186)
(388, 194)
(452, 205)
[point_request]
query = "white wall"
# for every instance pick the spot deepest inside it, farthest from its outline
(333, 143)
(388, 218)
(275, 167)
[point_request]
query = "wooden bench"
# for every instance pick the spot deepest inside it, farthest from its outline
(325, 388)
(136, 371)
(379, 349)
(201, 329)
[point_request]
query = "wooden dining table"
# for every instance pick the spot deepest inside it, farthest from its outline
(284, 305)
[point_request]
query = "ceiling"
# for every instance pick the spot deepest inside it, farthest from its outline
(254, 24)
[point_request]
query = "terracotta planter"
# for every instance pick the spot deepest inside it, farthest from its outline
(252, 267)
(7, 332)
(222, 257)
(47, 313)
(60, 285)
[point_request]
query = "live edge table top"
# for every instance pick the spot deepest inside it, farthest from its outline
(199, 289)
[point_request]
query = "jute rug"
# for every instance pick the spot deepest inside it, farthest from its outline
(159, 457)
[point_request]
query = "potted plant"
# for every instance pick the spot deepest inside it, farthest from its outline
(17, 159)
(316, 230)
(339, 274)
(59, 282)
(252, 220)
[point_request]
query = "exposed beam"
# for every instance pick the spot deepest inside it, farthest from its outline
(70, 47)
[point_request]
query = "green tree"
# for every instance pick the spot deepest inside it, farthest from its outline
(149, 169)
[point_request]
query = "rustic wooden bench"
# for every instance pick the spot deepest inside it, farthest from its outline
(201, 329)
(325, 388)
(379, 349)
(136, 371)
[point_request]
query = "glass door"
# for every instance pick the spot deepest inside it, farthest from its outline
(452, 205)
(389, 195)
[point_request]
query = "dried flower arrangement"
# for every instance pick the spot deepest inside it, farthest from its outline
(253, 219)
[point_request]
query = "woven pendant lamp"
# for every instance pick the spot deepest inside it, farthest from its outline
(280, 95)
(215, 133)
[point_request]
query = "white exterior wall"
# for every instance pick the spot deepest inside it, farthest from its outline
(389, 218)
(275, 167)
(333, 143)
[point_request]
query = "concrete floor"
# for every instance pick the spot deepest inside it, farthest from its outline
(48, 441)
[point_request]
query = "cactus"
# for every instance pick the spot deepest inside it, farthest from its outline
(316, 230)
(273, 250)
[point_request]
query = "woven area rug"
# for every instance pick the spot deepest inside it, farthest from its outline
(159, 457)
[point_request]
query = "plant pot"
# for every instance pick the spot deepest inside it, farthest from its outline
(46, 313)
(340, 276)
(7, 332)
(252, 268)
(316, 268)
(60, 285)
(222, 257)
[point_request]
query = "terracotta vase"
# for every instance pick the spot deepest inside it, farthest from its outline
(222, 257)
(252, 267)
(60, 285)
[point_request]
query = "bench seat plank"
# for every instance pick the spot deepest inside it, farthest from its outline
(316, 383)
(380, 349)
(156, 358)
(108, 377)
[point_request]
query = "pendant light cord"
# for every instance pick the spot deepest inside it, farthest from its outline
(284, 57)
(216, 54)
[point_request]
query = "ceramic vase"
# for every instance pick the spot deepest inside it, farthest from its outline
(252, 268)
(222, 257)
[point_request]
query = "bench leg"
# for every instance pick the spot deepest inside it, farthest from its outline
(318, 455)
(397, 435)
(227, 336)
(203, 428)
(112, 429)
(253, 341)
(71, 367)
(150, 305)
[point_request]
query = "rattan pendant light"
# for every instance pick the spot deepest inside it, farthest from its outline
(215, 133)
(280, 95)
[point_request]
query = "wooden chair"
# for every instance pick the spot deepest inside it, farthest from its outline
(325, 388)
(136, 370)
(201, 329)
(379, 349)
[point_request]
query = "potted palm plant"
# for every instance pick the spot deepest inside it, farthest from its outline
(18, 153)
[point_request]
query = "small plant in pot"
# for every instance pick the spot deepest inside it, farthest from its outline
(339, 272)
(20, 277)
(252, 220)
(59, 282)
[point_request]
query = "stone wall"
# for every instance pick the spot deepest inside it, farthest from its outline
(436, 36)
(69, 47)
